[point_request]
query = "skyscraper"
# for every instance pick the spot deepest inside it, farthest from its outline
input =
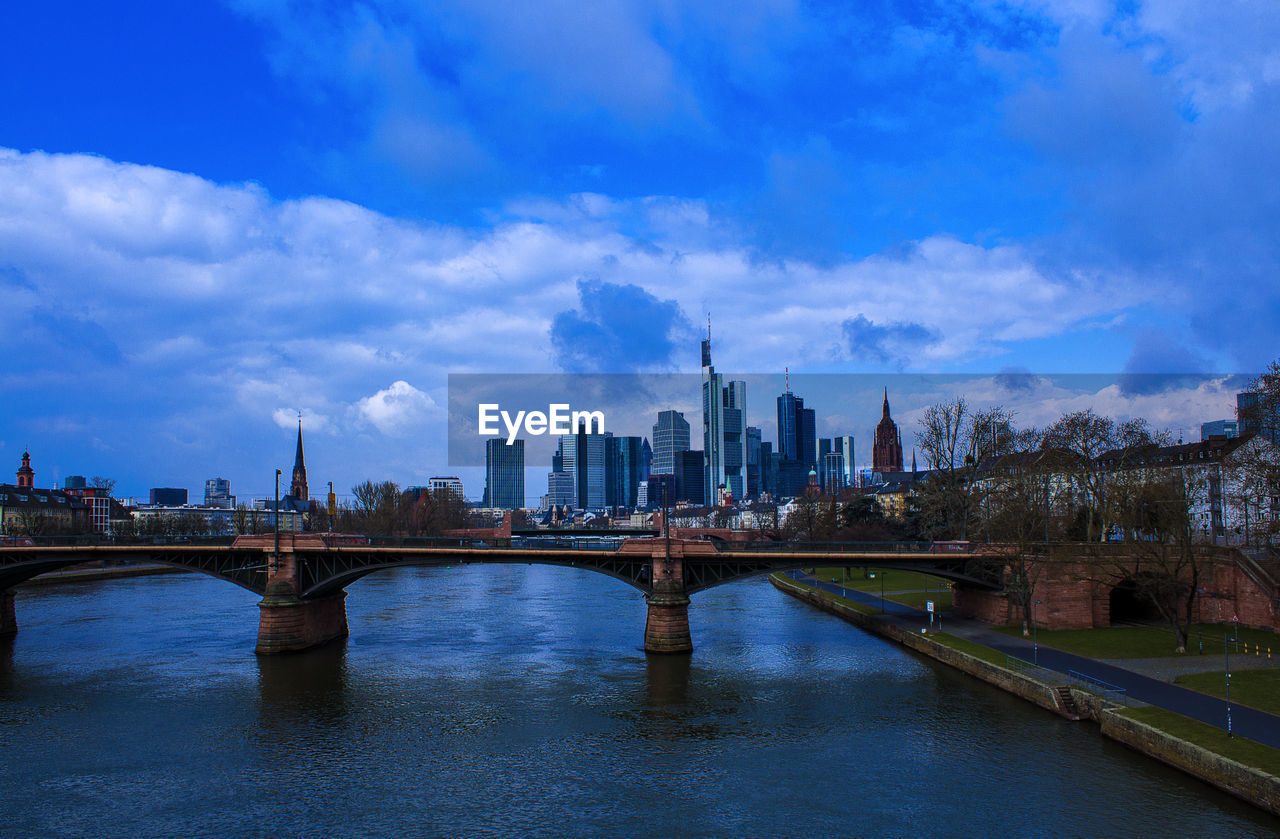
(670, 436)
(886, 449)
(724, 443)
(625, 461)
(843, 446)
(585, 457)
(753, 461)
(217, 493)
(504, 474)
(797, 444)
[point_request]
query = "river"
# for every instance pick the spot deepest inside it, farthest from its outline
(515, 701)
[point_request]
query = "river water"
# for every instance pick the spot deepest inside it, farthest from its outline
(515, 701)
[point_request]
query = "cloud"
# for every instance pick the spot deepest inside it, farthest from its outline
(1159, 363)
(618, 328)
(887, 343)
(1016, 380)
(398, 410)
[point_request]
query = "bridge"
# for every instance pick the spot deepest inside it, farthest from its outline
(303, 582)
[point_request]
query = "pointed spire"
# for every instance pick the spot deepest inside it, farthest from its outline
(886, 401)
(913, 461)
(298, 489)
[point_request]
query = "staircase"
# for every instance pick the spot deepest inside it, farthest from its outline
(1066, 702)
(1263, 567)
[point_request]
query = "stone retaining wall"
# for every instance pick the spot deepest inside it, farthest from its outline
(1245, 782)
(1253, 785)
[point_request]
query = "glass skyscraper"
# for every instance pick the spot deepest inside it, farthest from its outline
(670, 436)
(724, 438)
(504, 474)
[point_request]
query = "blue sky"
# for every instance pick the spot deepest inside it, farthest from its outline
(214, 215)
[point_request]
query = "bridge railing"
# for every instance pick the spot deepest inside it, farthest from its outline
(827, 547)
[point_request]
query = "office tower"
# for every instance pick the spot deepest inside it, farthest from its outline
(168, 497)
(843, 446)
(217, 493)
(797, 444)
(504, 474)
(831, 473)
(886, 449)
(670, 436)
(1219, 428)
(724, 409)
(753, 461)
(585, 457)
(625, 469)
(690, 477)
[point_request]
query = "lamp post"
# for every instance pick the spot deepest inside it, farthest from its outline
(1226, 657)
(1035, 636)
(276, 525)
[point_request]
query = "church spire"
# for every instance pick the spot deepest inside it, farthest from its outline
(26, 475)
(299, 487)
(886, 401)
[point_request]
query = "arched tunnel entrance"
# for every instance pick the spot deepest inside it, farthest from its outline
(1129, 605)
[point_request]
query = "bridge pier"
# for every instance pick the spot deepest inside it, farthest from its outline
(666, 629)
(8, 621)
(288, 623)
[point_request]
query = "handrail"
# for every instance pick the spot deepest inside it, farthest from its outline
(1107, 690)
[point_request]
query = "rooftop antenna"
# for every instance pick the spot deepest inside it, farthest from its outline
(786, 377)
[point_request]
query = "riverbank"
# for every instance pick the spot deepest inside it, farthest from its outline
(1135, 728)
(112, 572)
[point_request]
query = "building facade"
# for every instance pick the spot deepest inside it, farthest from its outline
(724, 438)
(503, 474)
(670, 437)
(886, 449)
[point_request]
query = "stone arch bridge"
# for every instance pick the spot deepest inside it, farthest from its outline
(303, 583)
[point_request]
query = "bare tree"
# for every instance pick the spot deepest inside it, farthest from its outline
(1090, 447)
(954, 438)
(99, 482)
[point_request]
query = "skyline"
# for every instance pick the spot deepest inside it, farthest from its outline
(213, 218)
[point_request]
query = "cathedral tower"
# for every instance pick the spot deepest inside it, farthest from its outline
(886, 450)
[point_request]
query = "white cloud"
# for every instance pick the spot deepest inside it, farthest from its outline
(398, 410)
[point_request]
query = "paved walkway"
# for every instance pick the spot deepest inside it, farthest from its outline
(1245, 722)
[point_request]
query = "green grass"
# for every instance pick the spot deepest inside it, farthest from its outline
(1144, 641)
(941, 600)
(1256, 688)
(893, 579)
(1248, 752)
(852, 604)
(976, 650)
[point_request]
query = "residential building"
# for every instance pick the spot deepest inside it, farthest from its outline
(445, 483)
(26, 510)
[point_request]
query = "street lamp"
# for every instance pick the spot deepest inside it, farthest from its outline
(1226, 657)
(277, 516)
(1035, 635)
